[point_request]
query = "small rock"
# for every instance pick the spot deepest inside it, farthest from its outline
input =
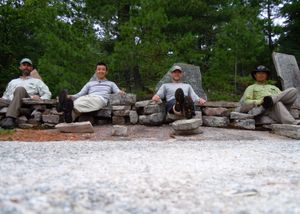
(245, 124)
(51, 118)
(37, 115)
(119, 131)
(187, 124)
(79, 127)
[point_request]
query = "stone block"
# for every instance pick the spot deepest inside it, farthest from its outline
(154, 108)
(3, 110)
(142, 104)
(105, 112)
(223, 104)
(79, 127)
(288, 130)
(220, 111)
(264, 120)
(214, 121)
(37, 115)
(187, 132)
(186, 124)
(39, 107)
(121, 108)
(119, 131)
(152, 119)
(144, 119)
(116, 120)
(133, 117)
(21, 120)
(244, 124)
(118, 99)
(4, 102)
(29, 101)
(51, 118)
(198, 115)
(121, 113)
(240, 116)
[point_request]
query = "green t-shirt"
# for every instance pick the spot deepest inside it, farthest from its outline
(256, 92)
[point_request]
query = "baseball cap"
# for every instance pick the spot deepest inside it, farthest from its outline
(176, 67)
(26, 60)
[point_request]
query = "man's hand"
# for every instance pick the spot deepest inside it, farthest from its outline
(156, 98)
(201, 101)
(122, 93)
(35, 97)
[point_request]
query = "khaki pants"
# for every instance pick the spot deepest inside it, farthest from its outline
(282, 104)
(16, 103)
(88, 103)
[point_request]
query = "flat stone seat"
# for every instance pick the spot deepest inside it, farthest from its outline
(78, 127)
(222, 104)
(186, 124)
(287, 130)
(29, 101)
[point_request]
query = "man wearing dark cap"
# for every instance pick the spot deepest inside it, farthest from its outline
(262, 98)
(180, 96)
(23, 87)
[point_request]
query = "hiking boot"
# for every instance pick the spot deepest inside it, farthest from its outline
(267, 102)
(179, 97)
(65, 105)
(189, 109)
(8, 123)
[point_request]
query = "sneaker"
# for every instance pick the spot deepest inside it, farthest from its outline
(179, 97)
(189, 109)
(65, 105)
(267, 102)
(8, 123)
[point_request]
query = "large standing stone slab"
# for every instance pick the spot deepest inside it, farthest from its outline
(214, 121)
(288, 71)
(288, 130)
(79, 127)
(192, 75)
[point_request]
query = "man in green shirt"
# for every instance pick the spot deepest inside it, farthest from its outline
(262, 98)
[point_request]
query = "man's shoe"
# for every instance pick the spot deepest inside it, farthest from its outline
(8, 123)
(179, 97)
(189, 109)
(65, 105)
(267, 102)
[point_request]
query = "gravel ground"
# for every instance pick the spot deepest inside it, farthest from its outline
(151, 176)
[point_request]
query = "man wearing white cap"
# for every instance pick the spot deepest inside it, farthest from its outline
(180, 96)
(23, 87)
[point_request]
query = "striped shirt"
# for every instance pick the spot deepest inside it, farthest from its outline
(32, 86)
(167, 91)
(100, 88)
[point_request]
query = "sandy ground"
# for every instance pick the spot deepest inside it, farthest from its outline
(219, 171)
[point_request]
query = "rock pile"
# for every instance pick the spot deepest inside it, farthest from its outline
(150, 112)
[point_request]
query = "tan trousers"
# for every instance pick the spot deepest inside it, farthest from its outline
(88, 103)
(282, 104)
(16, 103)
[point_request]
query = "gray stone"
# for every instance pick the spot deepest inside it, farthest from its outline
(26, 126)
(288, 71)
(3, 110)
(37, 115)
(33, 121)
(240, 116)
(187, 132)
(220, 111)
(214, 121)
(133, 117)
(29, 101)
(187, 124)
(173, 117)
(264, 120)
(51, 118)
(21, 120)
(152, 119)
(244, 124)
(288, 130)
(119, 131)
(4, 102)
(121, 113)
(192, 76)
(116, 120)
(121, 108)
(223, 104)
(156, 108)
(144, 119)
(79, 127)
(144, 103)
(118, 99)
(105, 112)
(295, 113)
